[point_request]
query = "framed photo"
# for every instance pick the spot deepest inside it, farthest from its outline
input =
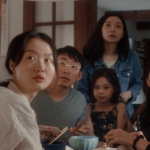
(4, 26)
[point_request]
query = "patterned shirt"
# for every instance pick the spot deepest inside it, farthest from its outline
(103, 121)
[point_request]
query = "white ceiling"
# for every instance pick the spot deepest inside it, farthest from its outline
(123, 5)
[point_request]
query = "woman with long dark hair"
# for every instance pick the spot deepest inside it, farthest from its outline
(108, 47)
(31, 61)
(145, 116)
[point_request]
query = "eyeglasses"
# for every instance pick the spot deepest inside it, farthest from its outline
(72, 68)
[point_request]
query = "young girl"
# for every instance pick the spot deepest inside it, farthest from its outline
(105, 113)
(108, 47)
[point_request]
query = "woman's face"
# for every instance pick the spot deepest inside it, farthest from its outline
(112, 29)
(36, 69)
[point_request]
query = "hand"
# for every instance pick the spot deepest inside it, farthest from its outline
(129, 128)
(138, 134)
(125, 96)
(82, 131)
(119, 136)
(47, 132)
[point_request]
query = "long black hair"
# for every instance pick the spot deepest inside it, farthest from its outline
(111, 77)
(145, 116)
(94, 48)
(17, 46)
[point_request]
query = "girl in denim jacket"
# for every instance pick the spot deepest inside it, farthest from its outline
(105, 113)
(108, 47)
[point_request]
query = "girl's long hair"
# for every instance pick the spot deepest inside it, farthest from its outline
(111, 77)
(145, 116)
(94, 48)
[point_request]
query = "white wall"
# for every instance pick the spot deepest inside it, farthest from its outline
(64, 34)
(15, 10)
(64, 12)
(100, 13)
(137, 35)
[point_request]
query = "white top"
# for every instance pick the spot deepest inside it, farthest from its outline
(110, 64)
(18, 127)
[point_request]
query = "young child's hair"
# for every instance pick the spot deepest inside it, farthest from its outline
(111, 77)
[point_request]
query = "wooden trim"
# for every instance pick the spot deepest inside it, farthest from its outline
(139, 110)
(133, 15)
(85, 15)
(43, 24)
(51, 23)
(92, 10)
(28, 16)
(64, 22)
(143, 26)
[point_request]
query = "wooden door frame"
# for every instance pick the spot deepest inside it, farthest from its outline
(85, 19)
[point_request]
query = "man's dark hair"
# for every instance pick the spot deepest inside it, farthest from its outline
(73, 53)
(94, 49)
(111, 77)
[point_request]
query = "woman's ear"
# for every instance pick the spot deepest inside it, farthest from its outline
(11, 65)
(148, 82)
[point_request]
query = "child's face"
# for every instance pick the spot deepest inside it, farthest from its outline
(148, 80)
(103, 90)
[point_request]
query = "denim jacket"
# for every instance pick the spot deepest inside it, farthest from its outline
(128, 72)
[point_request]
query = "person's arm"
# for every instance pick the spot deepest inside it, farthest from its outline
(122, 137)
(83, 85)
(121, 116)
(129, 128)
(136, 83)
(89, 121)
(85, 128)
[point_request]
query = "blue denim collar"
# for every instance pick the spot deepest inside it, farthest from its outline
(101, 61)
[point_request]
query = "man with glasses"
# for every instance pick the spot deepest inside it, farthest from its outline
(61, 105)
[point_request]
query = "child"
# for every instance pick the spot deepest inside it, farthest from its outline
(105, 113)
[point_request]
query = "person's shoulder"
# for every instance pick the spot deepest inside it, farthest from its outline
(121, 106)
(6, 100)
(89, 64)
(76, 93)
(6, 94)
(132, 53)
(4, 90)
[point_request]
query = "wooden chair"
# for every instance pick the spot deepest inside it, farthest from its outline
(139, 110)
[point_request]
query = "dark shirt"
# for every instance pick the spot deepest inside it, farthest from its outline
(148, 147)
(103, 121)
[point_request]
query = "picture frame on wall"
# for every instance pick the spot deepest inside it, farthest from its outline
(4, 14)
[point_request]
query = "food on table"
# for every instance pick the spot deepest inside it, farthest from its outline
(68, 148)
(121, 147)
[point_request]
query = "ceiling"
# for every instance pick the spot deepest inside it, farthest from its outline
(123, 5)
